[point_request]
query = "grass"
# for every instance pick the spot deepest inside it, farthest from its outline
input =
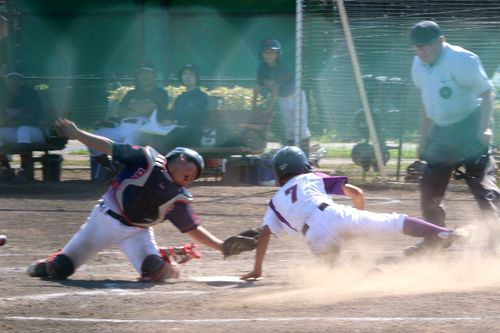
(79, 152)
(345, 152)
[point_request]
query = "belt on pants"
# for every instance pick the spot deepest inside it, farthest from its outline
(115, 215)
(321, 207)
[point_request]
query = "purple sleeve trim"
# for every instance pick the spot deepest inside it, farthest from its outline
(279, 216)
(333, 184)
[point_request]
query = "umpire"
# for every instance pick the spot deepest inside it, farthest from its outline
(457, 102)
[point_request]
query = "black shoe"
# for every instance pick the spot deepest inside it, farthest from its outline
(432, 244)
(38, 269)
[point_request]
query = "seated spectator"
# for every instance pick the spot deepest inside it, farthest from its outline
(190, 110)
(21, 123)
(134, 111)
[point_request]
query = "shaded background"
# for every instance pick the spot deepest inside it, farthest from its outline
(83, 49)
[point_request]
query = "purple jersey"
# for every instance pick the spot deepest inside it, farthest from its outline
(145, 194)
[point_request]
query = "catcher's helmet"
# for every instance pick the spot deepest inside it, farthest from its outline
(290, 160)
(191, 156)
(272, 44)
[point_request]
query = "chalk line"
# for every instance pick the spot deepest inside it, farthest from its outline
(256, 319)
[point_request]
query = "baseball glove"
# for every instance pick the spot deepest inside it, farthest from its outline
(245, 241)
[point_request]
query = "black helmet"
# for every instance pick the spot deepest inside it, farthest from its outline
(290, 160)
(270, 43)
(191, 155)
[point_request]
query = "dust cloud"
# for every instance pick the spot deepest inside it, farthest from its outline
(463, 268)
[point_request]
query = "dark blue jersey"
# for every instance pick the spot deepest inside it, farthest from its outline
(268, 76)
(158, 96)
(145, 193)
(24, 108)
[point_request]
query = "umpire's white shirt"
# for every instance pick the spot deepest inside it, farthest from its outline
(450, 87)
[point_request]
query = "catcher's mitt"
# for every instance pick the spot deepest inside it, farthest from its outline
(253, 233)
(240, 243)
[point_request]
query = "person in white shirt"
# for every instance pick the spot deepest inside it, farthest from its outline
(457, 99)
(304, 206)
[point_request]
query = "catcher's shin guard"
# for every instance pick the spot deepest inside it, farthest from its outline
(58, 266)
(158, 269)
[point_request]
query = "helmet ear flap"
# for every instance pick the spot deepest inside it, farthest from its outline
(191, 155)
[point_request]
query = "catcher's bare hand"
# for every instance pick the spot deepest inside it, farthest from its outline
(66, 128)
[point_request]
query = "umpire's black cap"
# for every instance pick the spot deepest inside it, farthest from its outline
(424, 32)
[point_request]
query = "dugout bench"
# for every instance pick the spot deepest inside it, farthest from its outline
(51, 162)
(231, 142)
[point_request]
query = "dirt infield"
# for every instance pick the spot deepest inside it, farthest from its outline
(458, 291)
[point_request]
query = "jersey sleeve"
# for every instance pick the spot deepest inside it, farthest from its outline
(128, 154)
(333, 184)
(470, 73)
(272, 220)
(183, 217)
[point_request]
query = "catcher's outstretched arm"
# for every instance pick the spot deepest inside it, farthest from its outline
(203, 236)
(68, 129)
(259, 255)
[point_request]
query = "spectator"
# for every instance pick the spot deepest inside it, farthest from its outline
(190, 110)
(455, 131)
(21, 122)
(275, 76)
(134, 110)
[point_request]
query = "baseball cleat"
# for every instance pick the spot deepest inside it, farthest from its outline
(429, 245)
(38, 269)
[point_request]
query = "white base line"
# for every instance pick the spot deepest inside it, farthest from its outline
(257, 319)
(107, 292)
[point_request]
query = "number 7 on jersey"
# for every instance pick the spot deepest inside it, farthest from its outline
(293, 192)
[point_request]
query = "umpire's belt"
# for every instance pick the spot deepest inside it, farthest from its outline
(321, 207)
(114, 215)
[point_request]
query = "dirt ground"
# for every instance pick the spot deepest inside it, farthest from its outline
(370, 291)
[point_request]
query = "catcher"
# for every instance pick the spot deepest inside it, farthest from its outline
(303, 205)
(149, 190)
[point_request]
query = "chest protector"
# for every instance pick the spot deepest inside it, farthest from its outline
(145, 197)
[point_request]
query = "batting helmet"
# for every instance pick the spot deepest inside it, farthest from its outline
(270, 43)
(290, 160)
(191, 156)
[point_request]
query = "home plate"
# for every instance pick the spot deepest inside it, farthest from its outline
(222, 280)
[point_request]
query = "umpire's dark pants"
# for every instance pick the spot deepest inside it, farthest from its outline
(447, 148)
